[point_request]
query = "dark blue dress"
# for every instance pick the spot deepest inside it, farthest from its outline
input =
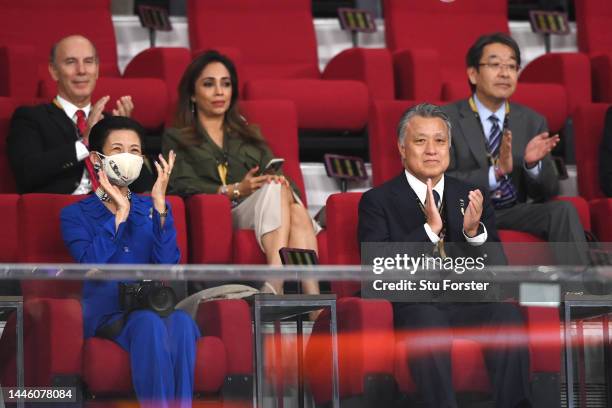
(88, 229)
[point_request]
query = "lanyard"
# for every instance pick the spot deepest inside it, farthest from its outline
(222, 162)
(492, 159)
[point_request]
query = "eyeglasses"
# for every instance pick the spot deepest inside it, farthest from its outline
(498, 66)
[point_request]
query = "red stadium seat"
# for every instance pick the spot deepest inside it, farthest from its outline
(469, 370)
(588, 128)
(273, 42)
(384, 155)
(9, 234)
(593, 19)
(365, 326)
(426, 61)
(53, 317)
(7, 180)
(588, 125)
(24, 54)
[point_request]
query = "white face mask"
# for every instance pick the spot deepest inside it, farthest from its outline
(122, 168)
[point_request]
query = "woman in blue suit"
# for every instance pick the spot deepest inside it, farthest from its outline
(116, 227)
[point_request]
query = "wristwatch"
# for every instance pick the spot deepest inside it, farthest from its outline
(236, 191)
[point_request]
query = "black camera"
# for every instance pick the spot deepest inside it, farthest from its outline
(147, 294)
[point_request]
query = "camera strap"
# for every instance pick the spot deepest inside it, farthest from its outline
(111, 330)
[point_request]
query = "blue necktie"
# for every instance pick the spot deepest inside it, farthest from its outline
(505, 195)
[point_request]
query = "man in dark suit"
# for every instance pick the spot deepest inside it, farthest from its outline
(423, 205)
(503, 148)
(47, 143)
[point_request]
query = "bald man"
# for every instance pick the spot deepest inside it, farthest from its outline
(47, 143)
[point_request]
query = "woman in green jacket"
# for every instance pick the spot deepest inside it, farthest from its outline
(218, 152)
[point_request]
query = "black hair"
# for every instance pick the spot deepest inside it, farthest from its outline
(474, 54)
(186, 117)
(101, 130)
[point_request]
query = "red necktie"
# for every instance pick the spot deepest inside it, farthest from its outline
(81, 124)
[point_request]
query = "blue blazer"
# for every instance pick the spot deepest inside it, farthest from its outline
(88, 229)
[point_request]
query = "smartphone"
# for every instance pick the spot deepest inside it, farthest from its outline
(273, 166)
(298, 256)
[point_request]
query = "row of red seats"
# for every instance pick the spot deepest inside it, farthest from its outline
(278, 122)
(367, 343)
(274, 46)
(206, 236)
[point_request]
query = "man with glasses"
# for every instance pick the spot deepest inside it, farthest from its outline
(504, 148)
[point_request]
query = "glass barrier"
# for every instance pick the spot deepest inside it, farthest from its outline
(352, 344)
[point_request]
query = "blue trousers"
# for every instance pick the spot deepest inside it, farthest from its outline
(162, 356)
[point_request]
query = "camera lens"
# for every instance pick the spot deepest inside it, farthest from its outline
(162, 300)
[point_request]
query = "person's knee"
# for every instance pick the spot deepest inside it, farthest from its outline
(507, 313)
(299, 217)
(146, 321)
(181, 318)
(420, 317)
(286, 194)
(182, 322)
(562, 210)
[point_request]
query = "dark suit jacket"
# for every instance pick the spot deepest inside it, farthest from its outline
(42, 153)
(605, 156)
(390, 213)
(41, 150)
(469, 157)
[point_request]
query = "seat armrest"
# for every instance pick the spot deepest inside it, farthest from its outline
(53, 339)
(373, 67)
(230, 321)
(544, 337)
(365, 346)
(417, 74)
(211, 244)
(601, 209)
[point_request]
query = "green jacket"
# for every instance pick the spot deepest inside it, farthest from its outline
(195, 169)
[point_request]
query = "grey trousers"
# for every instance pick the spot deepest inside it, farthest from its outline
(554, 221)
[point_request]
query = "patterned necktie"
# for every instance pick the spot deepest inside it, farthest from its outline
(436, 196)
(81, 124)
(505, 195)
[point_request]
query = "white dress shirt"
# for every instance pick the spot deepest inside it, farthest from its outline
(420, 189)
(82, 152)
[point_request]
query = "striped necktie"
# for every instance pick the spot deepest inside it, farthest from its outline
(505, 195)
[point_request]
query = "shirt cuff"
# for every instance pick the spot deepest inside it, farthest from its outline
(82, 152)
(478, 239)
(533, 172)
(493, 183)
(433, 237)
